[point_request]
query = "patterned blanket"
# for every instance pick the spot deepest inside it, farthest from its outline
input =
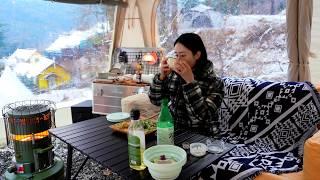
(269, 122)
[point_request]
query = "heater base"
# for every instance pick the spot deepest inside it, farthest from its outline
(54, 172)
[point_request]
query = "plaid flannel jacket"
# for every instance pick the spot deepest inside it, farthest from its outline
(193, 106)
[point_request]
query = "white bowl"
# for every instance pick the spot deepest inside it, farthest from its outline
(165, 171)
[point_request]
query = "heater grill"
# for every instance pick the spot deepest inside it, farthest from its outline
(28, 120)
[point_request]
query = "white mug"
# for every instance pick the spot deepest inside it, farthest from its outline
(171, 61)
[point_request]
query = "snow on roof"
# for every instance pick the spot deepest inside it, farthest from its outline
(37, 64)
(21, 54)
(201, 8)
(14, 89)
(75, 37)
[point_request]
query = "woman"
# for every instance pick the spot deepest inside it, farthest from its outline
(194, 91)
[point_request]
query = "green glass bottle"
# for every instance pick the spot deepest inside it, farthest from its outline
(136, 141)
(165, 126)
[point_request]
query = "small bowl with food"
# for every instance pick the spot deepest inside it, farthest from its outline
(164, 161)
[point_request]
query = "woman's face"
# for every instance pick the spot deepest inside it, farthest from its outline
(184, 54)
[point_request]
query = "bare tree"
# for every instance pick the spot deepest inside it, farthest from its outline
(110, 15)
(167, 20)
(2, 44)
(272, 7)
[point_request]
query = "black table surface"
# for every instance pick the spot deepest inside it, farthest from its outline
(95, 139)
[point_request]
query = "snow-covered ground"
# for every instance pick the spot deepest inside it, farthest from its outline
(248, 46)
(12, 88)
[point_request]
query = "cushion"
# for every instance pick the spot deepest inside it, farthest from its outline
(286, 176)
(311, 158)
(140, 101)
(311, 163)
(318, 87)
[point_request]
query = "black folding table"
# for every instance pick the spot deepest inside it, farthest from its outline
(96, 140)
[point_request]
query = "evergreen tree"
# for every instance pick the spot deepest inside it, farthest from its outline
(6, 48)
(1, 47)
(167, 18)
(1, 36)
(224, 6)
(188, 4)
(2, 43)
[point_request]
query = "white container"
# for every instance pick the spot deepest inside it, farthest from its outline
(165, 171)
(198, 149)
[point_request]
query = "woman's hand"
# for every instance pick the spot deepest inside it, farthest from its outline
(164, 69)
(184, 70)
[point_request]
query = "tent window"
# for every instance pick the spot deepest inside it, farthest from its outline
(39, 38)
(240, 36)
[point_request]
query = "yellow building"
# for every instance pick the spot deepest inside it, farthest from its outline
(52, 77)
(36, 70)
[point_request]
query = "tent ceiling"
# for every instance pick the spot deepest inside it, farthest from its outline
(108, 2)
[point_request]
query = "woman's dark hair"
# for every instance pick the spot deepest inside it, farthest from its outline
(194, 43)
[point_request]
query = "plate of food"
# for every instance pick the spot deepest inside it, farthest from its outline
(149, 124)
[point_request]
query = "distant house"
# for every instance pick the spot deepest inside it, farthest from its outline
(37, 71)
(20, 56)
(201, 16)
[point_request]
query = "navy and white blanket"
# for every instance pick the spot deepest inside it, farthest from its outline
(270, 122)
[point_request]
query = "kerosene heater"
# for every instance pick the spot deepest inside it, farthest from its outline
(27, 124)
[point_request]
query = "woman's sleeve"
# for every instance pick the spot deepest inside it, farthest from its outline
(157, 90)
(202, 109)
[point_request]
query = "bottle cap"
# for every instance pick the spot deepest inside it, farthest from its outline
(135, 114)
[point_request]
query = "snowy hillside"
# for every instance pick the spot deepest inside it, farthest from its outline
(13, 89)
(73, 38)
(248, 46)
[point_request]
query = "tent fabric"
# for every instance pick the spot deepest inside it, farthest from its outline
(299, 21)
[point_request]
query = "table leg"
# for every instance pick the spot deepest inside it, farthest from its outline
(80, 168)
(69, 162)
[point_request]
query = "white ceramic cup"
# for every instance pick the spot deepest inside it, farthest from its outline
(171, 61)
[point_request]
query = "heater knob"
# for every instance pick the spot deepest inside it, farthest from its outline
(12, 169)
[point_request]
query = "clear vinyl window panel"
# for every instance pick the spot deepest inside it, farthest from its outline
(243, 38)
(51, 50)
